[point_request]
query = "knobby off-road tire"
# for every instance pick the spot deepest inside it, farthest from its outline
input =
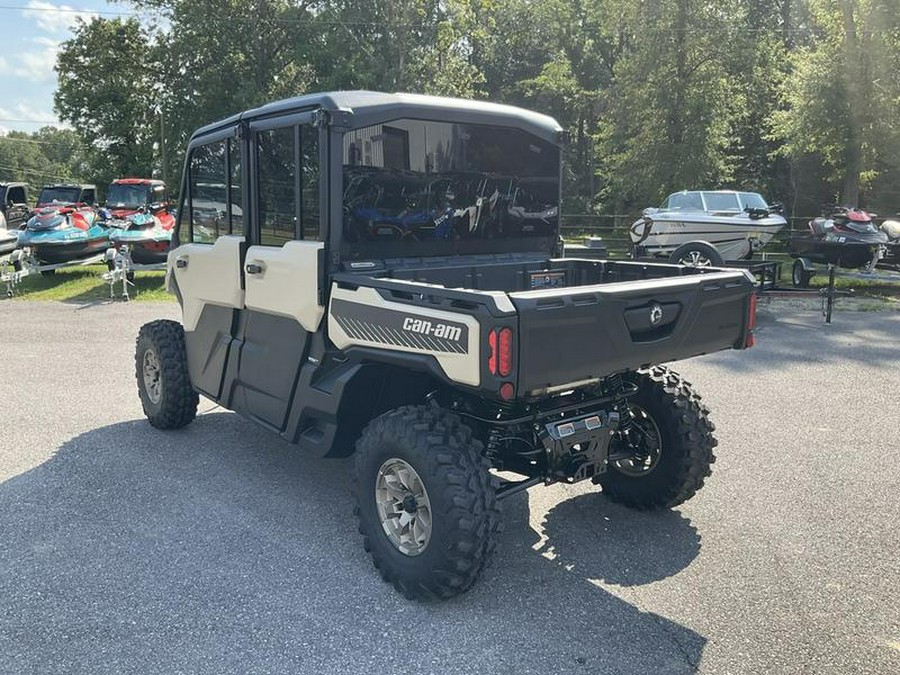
(461, 494)
(164, 384)
(685, 449)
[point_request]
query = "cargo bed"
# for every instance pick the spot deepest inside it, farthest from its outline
(573, 320)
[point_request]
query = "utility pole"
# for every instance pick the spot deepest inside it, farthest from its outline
(162, 149)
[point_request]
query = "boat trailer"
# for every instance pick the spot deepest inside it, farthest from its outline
(120, 269)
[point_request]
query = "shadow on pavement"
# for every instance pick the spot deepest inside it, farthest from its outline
(786, 338)
(605, 541)
(220, 548)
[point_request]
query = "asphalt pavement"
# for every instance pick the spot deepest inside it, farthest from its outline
(221, 549)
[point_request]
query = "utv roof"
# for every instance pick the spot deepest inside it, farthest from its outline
(366, 108)
(4, 184)
(83, 186)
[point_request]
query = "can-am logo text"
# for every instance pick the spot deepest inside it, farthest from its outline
(437, 330)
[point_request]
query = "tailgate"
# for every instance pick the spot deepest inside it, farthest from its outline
(569, 335)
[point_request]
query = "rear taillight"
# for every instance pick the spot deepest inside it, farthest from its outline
(751, 323)
(501, 357)
(492, 359)
(505, 349)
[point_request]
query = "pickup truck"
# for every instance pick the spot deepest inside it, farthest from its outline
(385, 280)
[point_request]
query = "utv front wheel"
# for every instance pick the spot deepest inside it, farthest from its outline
(164, 384)
(664, 449)
(426, 504)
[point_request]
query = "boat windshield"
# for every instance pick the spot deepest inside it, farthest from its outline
(753, 200)
(684, 201)
(59, 195)
(127, 196)
(721, 201)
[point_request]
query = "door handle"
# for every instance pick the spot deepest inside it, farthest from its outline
(181, 263)
(253, 268)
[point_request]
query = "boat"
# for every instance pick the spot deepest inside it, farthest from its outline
(65, 226)
(735, 223)
(8, 238)
(845, 237)
(139, 217)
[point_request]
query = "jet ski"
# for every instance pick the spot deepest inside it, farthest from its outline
(138, 216)
(65, 226)
(845, 237)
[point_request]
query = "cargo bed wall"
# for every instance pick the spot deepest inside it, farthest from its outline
(497, 273)
(567, 336)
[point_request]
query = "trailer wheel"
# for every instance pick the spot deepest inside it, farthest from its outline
(697, 254)
(800, 275)
(426, 504)
(164, 385)
(664, 452)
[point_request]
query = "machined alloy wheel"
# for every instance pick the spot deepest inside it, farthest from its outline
(403, 507)
(426, 501)
(152, 381)
(697, 254)
(695, 259)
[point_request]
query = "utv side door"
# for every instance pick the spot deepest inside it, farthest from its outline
(206, 266)
(282, 303)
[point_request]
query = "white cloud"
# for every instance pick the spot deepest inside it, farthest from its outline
(55, 18)
(37, 64)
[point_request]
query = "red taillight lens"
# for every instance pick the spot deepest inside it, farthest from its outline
(751, 323)
(505, 349)
(492, 359)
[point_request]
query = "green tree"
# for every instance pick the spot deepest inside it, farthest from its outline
(843, 95)
(109, 92)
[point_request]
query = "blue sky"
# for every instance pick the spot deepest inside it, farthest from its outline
(30, 34)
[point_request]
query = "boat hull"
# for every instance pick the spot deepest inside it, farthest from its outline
(850, 255)
(50, 248)
(661, 234)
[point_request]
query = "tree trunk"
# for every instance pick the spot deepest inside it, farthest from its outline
(854, 74)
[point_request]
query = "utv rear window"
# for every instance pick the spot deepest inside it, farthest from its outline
(419, 187)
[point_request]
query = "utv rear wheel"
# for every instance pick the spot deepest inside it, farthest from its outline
(664, 450)
(164, 384)
(426, 504)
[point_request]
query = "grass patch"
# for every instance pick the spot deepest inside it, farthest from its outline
(82, 285)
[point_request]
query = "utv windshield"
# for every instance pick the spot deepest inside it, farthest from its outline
(59, 195)
(127, 196)
(414, 187)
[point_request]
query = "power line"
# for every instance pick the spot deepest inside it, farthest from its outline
(9, 119)
(317, 21)
(35, 142)
(35, 172)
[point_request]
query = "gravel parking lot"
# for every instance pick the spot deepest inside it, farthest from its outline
(221, 549)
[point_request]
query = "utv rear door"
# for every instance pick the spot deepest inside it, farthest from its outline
(282, 302)
(207, 265)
